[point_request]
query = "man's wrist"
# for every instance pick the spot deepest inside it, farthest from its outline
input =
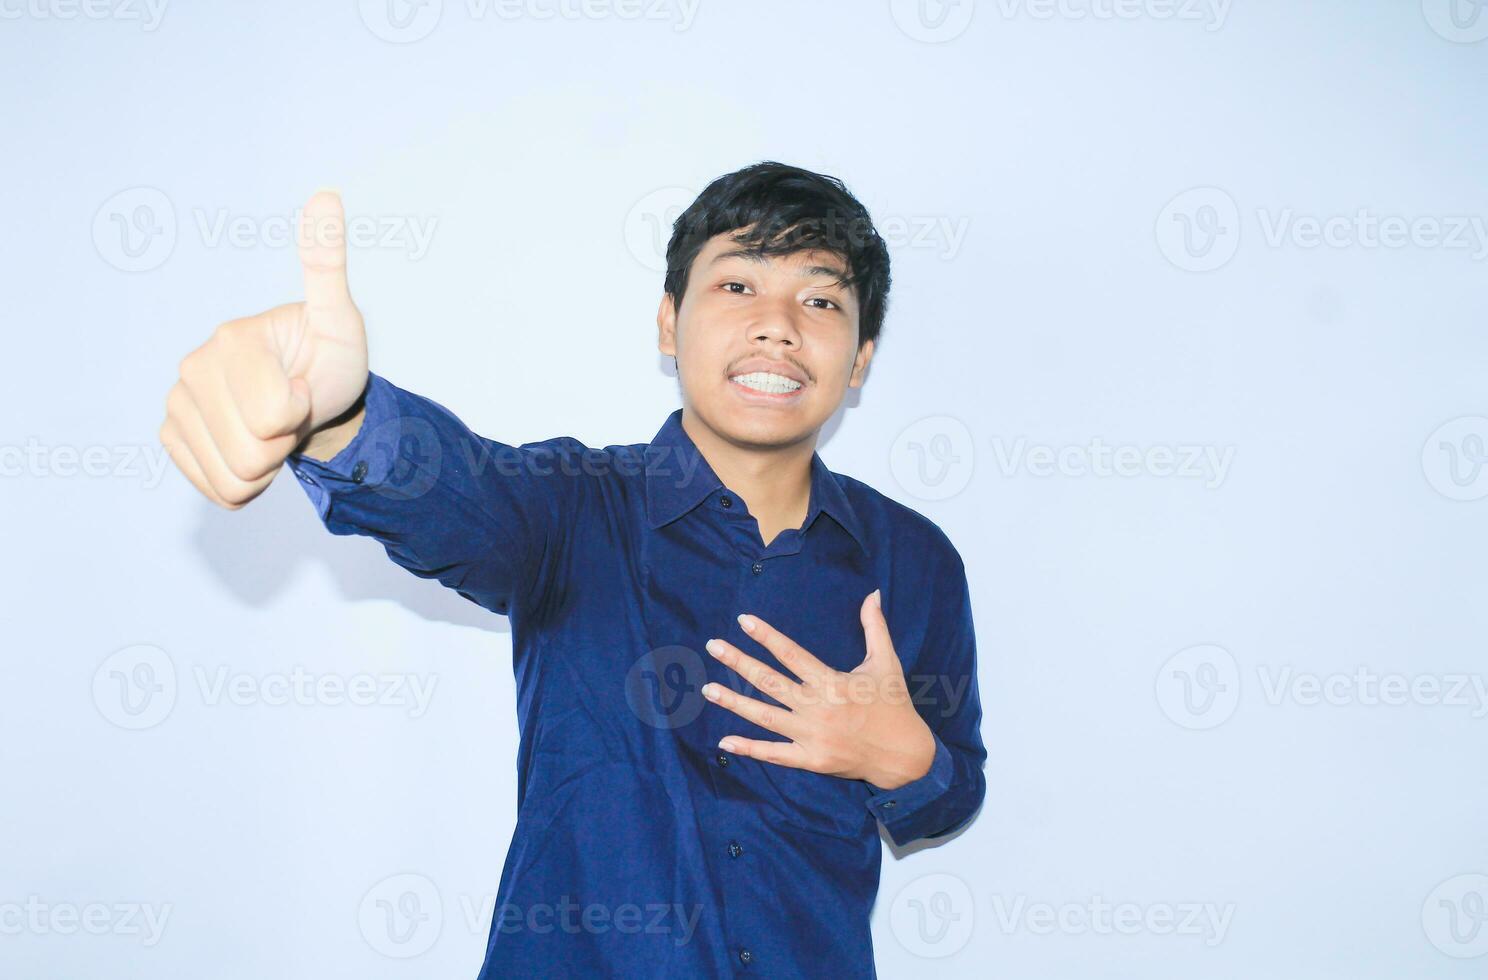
(324, 443)
(897, 769)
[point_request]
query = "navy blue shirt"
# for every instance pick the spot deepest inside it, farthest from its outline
(641, 849)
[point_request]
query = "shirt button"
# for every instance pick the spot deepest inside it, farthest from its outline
(888, 804)
(745, 956)
(359, 471)
(723, 760)
(727, 501)
(757, 567)
(735, 849)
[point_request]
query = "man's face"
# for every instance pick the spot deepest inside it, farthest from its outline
(765, 347)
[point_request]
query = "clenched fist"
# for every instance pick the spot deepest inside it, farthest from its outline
(263, 385)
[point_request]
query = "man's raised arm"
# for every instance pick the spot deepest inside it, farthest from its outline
(292, 385)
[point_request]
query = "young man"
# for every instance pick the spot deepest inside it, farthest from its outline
(680, 813)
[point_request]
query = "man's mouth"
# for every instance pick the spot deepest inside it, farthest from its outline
(766, 383)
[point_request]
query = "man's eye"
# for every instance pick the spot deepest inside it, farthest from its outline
(824, 300)
(739, 284)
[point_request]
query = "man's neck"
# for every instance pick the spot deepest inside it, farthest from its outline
(774, 483)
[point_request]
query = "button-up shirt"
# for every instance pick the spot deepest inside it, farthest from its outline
(641, 848)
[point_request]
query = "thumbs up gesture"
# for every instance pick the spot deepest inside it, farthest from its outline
(263, 385)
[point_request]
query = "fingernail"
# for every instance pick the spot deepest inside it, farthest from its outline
(714, 647)
(727, 744)
(877, 599)
(710, 691)
(746, 621)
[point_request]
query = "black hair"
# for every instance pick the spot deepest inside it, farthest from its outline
(776, 209)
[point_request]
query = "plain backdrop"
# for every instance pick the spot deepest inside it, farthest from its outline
(1185, 352)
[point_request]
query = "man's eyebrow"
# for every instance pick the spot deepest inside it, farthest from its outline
(832, 271)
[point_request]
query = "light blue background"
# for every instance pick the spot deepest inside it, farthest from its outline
(1052, 301)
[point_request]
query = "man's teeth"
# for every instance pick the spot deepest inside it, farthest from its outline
(765, 381)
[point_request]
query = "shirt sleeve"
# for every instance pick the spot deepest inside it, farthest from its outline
(489, 520)
(943, 685)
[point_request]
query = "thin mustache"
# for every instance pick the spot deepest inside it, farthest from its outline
(796, 364)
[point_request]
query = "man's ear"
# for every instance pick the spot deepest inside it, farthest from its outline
(860, 365)
(666, 326)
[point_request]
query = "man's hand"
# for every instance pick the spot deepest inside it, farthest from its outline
(858, 725)
(263, 384)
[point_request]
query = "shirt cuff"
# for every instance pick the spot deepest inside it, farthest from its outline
(364, 462)
(903, 809)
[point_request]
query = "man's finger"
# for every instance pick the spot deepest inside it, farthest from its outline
(180, 454)
(876, 632)
(322, 239)
(765, 679)
(767, 716)
(779, 753)
(792, 656)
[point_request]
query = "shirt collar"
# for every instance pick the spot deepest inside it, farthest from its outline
(678, 478)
